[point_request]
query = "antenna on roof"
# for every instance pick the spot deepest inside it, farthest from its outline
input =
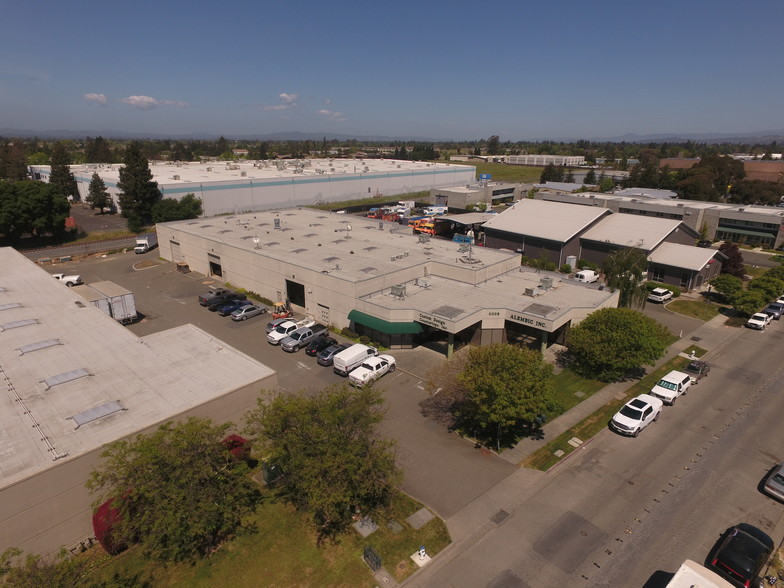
(256, 241)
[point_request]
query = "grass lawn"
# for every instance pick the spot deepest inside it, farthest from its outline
(283, 552)
(502, 172)
(567, 384)
(545, 458)
(696, 308)
(754, 271)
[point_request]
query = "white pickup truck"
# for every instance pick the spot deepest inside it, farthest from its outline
(73, 280)
(285, 329)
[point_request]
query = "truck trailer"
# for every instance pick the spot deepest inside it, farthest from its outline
(146, 242)
(112, 299)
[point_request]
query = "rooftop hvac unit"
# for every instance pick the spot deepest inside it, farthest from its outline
(276, 223)
(529, 291)
(209, 169)
(243, 174)
(175, 177)
(546, 283)
(399, 291)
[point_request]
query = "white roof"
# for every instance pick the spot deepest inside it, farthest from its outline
(78, 379)
(684, 256)
(631, 230)
(554, 221)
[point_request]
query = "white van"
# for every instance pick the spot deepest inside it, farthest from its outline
(587, 276)
(671, 386)
(351, 358)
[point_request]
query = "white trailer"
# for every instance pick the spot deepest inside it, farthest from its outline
(112, 299)
(146, 242)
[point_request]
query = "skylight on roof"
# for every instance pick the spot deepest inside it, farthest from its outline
(330, 259)
(66, 377)
(298, 250)
(224, 231)
(15, 324)
(97, 412)
(10, 305)
(39, 345)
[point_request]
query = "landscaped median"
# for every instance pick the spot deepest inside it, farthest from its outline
(557, 449)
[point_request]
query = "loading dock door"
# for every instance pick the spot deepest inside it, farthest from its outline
(295, 293)
(215, 265)
(176, 252)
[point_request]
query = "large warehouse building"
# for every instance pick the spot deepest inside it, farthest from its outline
(246, 186)
(376, 277)
(73, 380)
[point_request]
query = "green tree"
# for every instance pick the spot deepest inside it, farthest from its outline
(97, 195)
(590, 177)
(38, 158)
(606, 184)
(494, 145)
(60, 176)
(625, 270)
(179, 490)
(728, 286)
(171, 209)
(138, 193)
(552, 173)
(98, 150)
(733, 265)
(770, 287)
(30, 207)
(748, 301)
(335, 463)
(507, 388)
(34, 571)
(13, 162)
(615, 343)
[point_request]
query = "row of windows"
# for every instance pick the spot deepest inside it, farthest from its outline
(747, 223)
(651, 213)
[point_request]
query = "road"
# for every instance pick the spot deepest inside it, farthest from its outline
(623, 511)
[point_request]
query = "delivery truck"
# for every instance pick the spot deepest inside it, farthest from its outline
(112, 299)
(146, 242)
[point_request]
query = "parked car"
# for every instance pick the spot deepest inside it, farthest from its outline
(246, 312)
(660, 295)
(217, 301)
(671, 386)
(326, 356)
(231, 306)
(780, 300)
(319, 344)
(637, 414)
(740, 554)
(774, 483)
(774, 309)
(697, 369)
(371, 370)
(272, 325)
(212, 293)
(759, 321)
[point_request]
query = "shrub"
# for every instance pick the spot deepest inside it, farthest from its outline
(364, 339)
(565, 269)
(348, 333)
(585, 264)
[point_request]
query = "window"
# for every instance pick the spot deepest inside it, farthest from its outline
(657, 274)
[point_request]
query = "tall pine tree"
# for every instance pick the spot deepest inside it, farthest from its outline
(138, 193)
(98, 197)
(61, 176)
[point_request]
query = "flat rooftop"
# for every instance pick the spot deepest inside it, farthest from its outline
(72, 379)
(344, 246)
(171, 174)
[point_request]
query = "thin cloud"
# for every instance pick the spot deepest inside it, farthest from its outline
(96, 99)
(286, 101)
(148, 102)
(331, 115)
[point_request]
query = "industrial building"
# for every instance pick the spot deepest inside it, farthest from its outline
(74, 380)
(381, 280)
(761, 226)
(246, 186)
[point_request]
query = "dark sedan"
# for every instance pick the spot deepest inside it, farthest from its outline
(325, 356)
(319, 344)
(740, 554)
(231, 306)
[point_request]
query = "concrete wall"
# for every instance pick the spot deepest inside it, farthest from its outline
(53, 508)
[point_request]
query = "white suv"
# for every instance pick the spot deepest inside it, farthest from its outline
(660, 295)
(637, 414)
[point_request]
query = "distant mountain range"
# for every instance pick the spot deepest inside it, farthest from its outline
(759, 137)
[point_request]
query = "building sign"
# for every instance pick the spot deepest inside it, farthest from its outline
(537, 323)
(485, 176)
(432, 321)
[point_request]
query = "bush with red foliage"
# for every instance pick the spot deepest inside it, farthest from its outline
(105, 519)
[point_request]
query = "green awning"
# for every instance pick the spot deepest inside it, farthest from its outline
(378, 324)
(745, 232)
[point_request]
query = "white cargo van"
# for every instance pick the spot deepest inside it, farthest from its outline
(671, 386)
(351, 358)
(587, 276)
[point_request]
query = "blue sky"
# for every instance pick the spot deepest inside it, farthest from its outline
(442, 70)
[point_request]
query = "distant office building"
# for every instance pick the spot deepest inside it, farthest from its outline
(542, 160)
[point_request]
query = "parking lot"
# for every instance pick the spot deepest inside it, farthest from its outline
(442, 470)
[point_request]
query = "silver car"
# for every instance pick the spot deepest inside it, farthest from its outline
(246, 312)
(774, 484)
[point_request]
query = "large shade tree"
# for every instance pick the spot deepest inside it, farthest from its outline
(615, 343)
(334, 462)
(733, 265)
(625, 270)
(31, 208)
(178, 490)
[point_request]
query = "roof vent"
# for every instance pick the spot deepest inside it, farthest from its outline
(399, 291)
